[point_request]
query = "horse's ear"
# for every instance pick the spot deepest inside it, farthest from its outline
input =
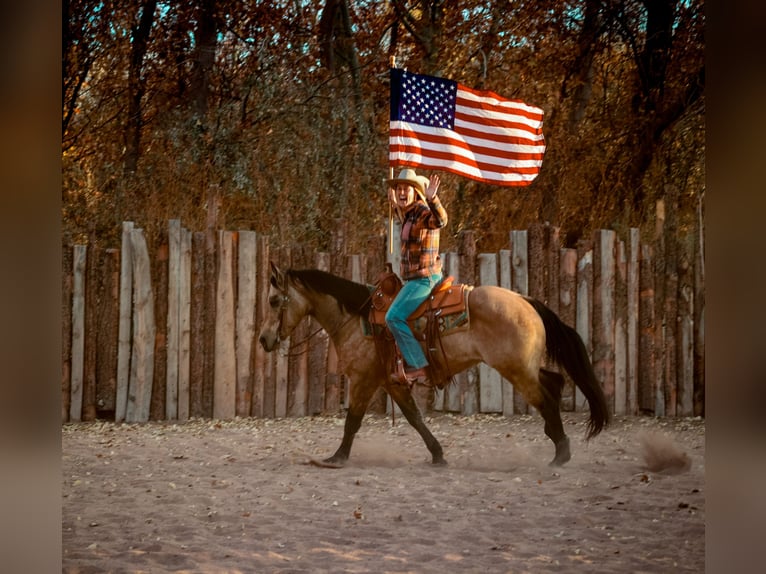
(277, 277)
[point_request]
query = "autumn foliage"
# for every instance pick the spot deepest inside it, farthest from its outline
(273, 115)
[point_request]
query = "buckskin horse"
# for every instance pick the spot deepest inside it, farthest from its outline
(507, 331)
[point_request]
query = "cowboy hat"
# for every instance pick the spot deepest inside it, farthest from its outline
(410, 177)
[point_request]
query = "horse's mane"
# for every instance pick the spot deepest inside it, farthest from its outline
(351, 296)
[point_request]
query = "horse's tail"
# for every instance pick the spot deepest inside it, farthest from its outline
(566, 348)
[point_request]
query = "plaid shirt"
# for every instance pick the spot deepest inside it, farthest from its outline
(420, 239)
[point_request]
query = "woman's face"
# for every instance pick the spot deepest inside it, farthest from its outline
(405, 195)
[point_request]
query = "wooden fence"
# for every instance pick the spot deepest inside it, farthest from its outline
(172, 334)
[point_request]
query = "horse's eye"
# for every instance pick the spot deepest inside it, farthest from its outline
(274, 301)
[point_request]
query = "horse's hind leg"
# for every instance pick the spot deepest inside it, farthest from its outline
(411, 412)
(552, 384)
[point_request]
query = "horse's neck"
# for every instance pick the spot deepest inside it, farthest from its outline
(333, 318)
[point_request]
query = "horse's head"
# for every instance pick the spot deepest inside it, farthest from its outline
(287, 306)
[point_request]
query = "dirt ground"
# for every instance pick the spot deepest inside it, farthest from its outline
(239, 496)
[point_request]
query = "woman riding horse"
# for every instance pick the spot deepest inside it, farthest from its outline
(421, 266)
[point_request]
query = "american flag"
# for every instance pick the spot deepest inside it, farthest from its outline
(441, 124)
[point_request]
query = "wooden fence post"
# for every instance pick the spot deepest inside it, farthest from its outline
(634, 247)
(659, 310)
(699, 312)
(92, 304)
(276, 395)
(620, 309)
(174, 319)
(604, 312)
(184, 320)
(225, 369)
(453, 394)
(142, 358)
(490, 381)
(568, 313)
(685, 342)
(126, 312)
(260, 359)
(670, 308)
(158, 409)
(519, 246)
(197, 316)
(467, 266)
(107, 332)
(78, 332)
(297, 380)
(246, 310)
(67, 278)
(647, 377)
(584, 313)
(506, 282)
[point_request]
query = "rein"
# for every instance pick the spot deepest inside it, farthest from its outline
(306, 340)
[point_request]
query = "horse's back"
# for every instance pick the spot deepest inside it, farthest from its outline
(504, 323)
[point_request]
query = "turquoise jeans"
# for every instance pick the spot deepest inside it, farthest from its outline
(413, 293)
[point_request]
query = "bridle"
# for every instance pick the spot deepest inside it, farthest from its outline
(285, 300)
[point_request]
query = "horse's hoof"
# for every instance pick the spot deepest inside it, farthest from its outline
(439, 462)
(326, 463)
(563, 454)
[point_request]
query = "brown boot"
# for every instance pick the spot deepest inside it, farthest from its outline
(417, 376)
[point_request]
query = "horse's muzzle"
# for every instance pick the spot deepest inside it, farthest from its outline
(268, 343)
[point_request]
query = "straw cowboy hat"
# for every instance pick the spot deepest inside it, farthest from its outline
(419, 182)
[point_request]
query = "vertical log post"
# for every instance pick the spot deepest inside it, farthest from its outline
(184, 320)
(198, 329)
(604, 312)
(297, 390)
(174, 318)
(620, 307)
(319, 351)
(67, 259)
(107, 334)
(92, 304)
(78, 332)
(506, 282)
(685, 340)
(634, 247)
(158, 409)
(670, 310)
(490, 381)
(246, 305)
(584, 313)
(125, 326)
(142, 358)
(260, 359)
(467, 266)
(568, 313)
(519, 246)
(225, 369)
(276, 390)
(647, 378)
(699, 313)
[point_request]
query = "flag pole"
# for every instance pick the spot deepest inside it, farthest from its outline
(391, 176)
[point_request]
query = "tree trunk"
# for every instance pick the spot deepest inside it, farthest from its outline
(137, 86)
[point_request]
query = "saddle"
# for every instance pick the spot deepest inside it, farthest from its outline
(445, 309)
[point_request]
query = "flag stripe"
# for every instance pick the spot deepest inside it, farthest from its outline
(418, 160)
(440, 124)
(520, 166)
(518, 149)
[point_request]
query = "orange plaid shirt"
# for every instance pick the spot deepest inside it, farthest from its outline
(420, 239)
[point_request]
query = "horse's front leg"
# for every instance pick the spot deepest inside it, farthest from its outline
(403, 397)
(361, 394)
